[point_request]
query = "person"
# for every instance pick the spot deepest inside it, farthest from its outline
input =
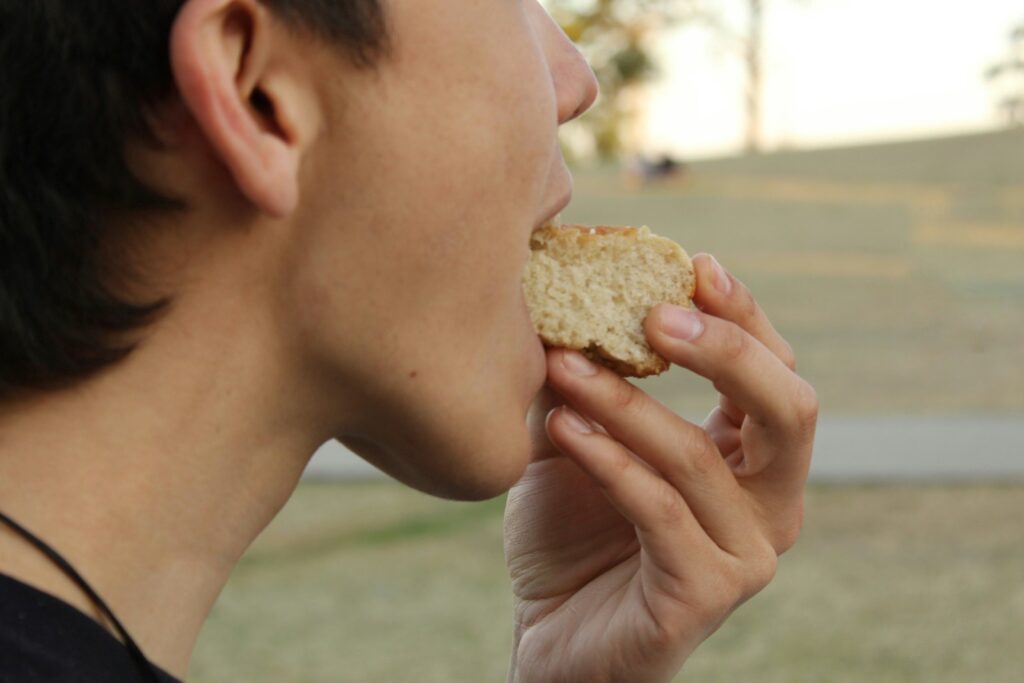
(641, 171)
(231, 230)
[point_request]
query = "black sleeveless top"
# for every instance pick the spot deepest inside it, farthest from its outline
(45, 640)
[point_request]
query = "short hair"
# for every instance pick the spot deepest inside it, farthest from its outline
(78, 79)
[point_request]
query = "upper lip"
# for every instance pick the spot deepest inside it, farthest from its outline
(556, 208)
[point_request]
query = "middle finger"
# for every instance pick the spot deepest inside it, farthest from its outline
(780, 403)
(679, 451)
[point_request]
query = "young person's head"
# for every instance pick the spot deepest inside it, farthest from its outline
(364, 173)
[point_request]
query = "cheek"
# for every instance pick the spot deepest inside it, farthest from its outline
(418, 238)
(478, 108)
(451, 227)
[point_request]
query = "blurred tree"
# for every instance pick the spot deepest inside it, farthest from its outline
(1007, 78)
(748, 43)
(754, 64)
(616, 37)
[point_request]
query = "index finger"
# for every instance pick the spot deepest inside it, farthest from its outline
(723, 296)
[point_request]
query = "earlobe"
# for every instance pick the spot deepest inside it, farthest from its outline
(221, 58)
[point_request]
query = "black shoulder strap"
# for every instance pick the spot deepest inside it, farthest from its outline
(147, 667)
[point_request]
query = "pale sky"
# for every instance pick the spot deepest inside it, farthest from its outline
(837, 71)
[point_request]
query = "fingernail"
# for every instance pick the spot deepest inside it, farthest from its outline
(722, 282)
(682, 323)
(575, 422)
(577, 364)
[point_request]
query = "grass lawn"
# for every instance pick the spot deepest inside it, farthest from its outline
(374, 582)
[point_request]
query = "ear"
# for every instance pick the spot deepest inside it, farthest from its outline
(228, 63)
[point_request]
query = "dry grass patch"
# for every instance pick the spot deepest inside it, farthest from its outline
(887, 584)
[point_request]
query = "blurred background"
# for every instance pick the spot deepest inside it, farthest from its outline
(860, 165)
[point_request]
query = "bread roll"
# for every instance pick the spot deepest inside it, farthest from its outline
(590, 289)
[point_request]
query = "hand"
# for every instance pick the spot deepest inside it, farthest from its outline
(633, 541)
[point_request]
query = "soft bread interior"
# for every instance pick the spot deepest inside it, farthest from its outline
(591, 289)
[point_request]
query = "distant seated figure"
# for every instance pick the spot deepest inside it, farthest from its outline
(640, 171)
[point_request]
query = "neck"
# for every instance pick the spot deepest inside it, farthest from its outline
(154, 477)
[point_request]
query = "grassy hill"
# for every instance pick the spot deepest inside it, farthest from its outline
(980, 158)
(896, 270)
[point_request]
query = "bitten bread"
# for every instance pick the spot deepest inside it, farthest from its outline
(590, 289)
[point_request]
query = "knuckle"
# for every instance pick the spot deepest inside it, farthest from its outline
(788, 531)
(747, 307)
(620, 466)
(671, 508)
(731, 591)
(731, 587)
(735, 344)
(626, 399)
(742, 578)
(787, 355)
(805, 407)
(762, 570)
(702, 456)
(718, 599)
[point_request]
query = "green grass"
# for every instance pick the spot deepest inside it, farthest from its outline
(374, 582)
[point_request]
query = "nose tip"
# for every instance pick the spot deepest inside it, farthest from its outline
(580, 87)
(590, 90)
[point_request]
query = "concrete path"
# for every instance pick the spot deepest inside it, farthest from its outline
(854, 449)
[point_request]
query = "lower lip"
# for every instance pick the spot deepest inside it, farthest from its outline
(537, 368)
(537, 360)
(539, 351)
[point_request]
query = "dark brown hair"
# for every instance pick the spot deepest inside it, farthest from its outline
(77, 79)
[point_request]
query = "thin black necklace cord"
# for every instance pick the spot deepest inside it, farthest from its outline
(66, 567)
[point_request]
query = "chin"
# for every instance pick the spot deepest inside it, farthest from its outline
(465, 438)
(462, 467)
(480, 471)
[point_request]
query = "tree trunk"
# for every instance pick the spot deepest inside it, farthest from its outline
(754, 77)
